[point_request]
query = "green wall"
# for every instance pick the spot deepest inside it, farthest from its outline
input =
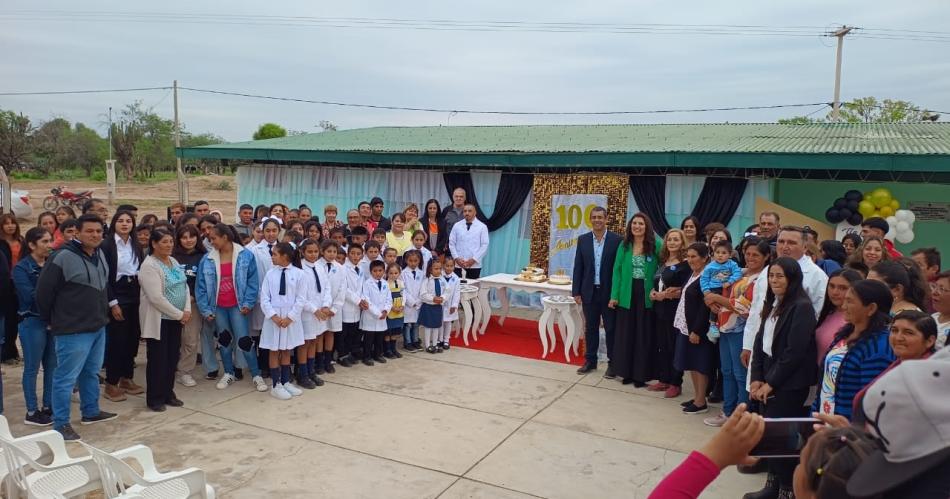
(813, 197)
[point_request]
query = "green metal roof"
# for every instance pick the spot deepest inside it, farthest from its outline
(923, 147)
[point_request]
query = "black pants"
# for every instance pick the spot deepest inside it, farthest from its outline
(469, 273)
(162, 355)
(352, 341)
(372, 347)
(593, 313)
(10, 325)
(785, 404)
(122, 344)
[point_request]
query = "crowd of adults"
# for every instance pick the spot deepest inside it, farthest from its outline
(795, 326)
(81, 292)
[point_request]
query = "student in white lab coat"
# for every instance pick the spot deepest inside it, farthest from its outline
(315, 312)
(283, 298)
(376, 303)
(271, 228)
(450, 307)
(348, 346)
(335, 274)
(432, 297)
(413, 276)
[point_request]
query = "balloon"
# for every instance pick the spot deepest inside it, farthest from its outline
(885, 211)
(841, 203)
(833, 215)
(892, 221)
(854, 195)
(905, 237)
(891, 234)
(881, 197)
(855, 219)
(853, 205)
(866, 208)
(895, 204)
(845, 213)
(905, 215)
(902, 226)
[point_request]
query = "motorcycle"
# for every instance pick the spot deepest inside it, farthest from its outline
(61, 197)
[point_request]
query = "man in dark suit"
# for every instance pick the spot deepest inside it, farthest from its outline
(593, 275)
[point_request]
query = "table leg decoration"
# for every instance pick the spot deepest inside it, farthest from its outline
(471, 310)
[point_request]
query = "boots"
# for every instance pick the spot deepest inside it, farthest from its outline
(770, 491)
(114, 393)
(130, 387)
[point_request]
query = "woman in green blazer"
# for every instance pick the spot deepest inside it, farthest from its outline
(636, 263)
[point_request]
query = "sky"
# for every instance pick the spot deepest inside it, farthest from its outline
(519, 71)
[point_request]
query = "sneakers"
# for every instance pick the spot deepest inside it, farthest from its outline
(69, 435)
(213, 375)
(130, 387)
(293, 390)
(430, 349)
(226, 381)
(99, 418)
(280, 393)
(673, 391)
(713, 334)
(114, 393)
(692, 408)
(716, 421)
(38, 418)
(187, 380)
(259, 384)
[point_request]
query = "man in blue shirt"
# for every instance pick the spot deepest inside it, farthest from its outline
(593, 276)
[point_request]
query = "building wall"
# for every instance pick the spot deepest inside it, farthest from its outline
(814, 197)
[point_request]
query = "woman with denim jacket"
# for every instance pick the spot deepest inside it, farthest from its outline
(227, 289)
(35, 338)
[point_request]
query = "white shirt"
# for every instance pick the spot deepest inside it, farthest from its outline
(469, 242)
(352, 293)
(411, 299)
(127, 264)
(768, 331)
(815, 282)
(380, 299)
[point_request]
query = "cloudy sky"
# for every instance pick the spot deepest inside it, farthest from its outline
(499, 70)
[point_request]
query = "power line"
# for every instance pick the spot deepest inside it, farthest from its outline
(98, 91)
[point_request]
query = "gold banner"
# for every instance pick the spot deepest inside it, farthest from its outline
(614, 186)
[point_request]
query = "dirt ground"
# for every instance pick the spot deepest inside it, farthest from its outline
(147, 197)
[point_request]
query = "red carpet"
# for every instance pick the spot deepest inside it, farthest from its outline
(519, 337)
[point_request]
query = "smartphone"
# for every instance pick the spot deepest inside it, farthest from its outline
(784, 437)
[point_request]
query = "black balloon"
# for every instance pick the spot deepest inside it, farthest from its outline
(854, 195)
(855, 219)
(853, 205)
(833, 216)
(841, 203)
(844, 213)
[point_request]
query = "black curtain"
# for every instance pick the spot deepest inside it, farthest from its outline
(719, 200)
(513, 189)
(650, 195)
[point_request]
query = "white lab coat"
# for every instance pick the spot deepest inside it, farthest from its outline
(380, 300)
(465, 242)
(337, 279)
(411, 299)
(316, 299)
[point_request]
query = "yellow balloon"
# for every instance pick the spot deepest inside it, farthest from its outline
(885, 212)
(895, 205)
(866, 208)
(881, 197)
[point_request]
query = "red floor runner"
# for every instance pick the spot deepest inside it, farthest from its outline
(518, 337)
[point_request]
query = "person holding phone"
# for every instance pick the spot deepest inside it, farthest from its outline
(783, 368)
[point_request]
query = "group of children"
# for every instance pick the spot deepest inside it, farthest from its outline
(321, 298)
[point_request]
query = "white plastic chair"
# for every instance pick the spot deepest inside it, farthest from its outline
(47, 451)
(70, 478)
(116, 474)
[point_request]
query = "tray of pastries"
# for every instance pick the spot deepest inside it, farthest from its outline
(532, 274)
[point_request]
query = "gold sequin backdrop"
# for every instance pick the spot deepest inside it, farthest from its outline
(615, 187)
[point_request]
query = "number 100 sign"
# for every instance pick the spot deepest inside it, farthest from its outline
(570, 217)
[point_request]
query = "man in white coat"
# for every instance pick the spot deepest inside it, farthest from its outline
(468, 243)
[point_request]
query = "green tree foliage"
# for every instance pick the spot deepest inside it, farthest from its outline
(269, 131)
(870, 110)
(15, 139)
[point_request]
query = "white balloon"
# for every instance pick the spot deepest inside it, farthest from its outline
(903, 226)
(905, 237)
(891, 220)
(891, 234)
(905, 215)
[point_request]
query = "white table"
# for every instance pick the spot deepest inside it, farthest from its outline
(504, 282)
(564, 311)
(473, 311)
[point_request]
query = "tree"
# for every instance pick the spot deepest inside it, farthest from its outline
(126, 133)
(870, 110)
(51, 142)
(87, 149)
(327, 126)
(269, 131)
(15, 138)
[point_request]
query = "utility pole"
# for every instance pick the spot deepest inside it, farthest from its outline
(182, 180)
(110, 133)
(110, 166)
(836, 106)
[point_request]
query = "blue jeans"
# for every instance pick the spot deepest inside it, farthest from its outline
(232, 328)
(209, 350)
(38, 348)
(733, 373)
(410, 333)
(79, 357)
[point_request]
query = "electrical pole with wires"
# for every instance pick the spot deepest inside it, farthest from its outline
(182, 180)
(836, 105)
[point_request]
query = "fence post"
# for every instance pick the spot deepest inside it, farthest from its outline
(110, 180)
(5, 190)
